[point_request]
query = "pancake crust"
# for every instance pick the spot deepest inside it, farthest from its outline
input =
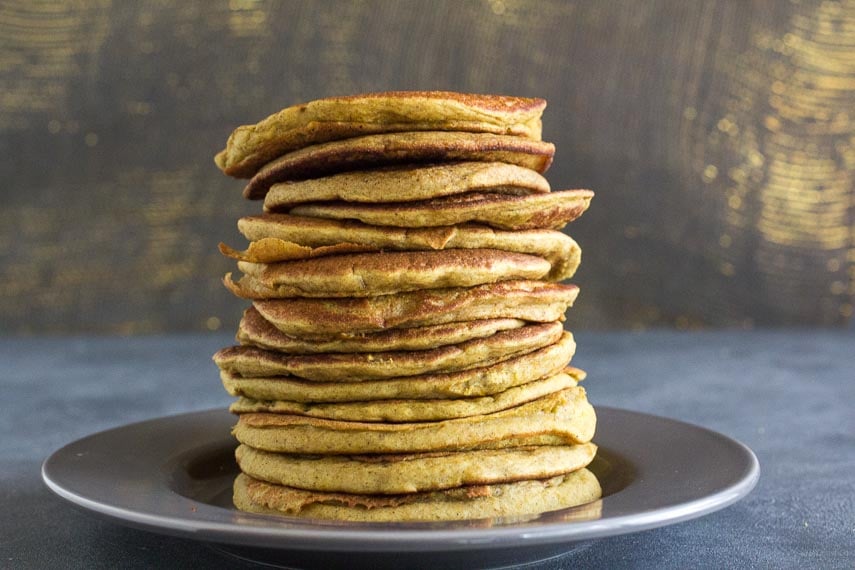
(560, 418)
(318, 236)
(502, 211)
(371, 274)
(402, 411)
(250, 146)
(254, 330)
(341, 317)
(469, 383)
(412, 473)
(471, 502)
(274, 250)
(374, 151)
(408, 183)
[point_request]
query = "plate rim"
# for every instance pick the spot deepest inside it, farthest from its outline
(304, 534)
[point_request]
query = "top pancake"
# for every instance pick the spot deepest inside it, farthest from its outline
(373, 151)
(251, 146)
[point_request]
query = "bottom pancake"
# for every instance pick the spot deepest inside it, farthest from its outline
(471, 502)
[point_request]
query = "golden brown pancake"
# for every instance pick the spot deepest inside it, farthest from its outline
(560, 418)
(504, 500)
(371, 274)
(250, 146)
(318, 237)
(341, 317)
(474, 382)
(255, 331)
(249, 361)
(413, 472)
(553, 210)
(274, 250)
(408, 184)
(374, 151)
(403, 411)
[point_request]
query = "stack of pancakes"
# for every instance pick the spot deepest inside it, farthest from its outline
(404, 356)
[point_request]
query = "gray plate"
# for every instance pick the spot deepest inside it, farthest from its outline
(173, 475)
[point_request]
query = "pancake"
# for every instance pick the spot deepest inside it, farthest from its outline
(560, 418)
(250, 146)
(553, 210)
(274, 250)
(342, 317)
(408, 183)
(401, 411)
(412, 473)
(371, 274)
(470, 383)
(472, 502)
(374, 151)
(255, 331)
(319, 237)
(249, 361)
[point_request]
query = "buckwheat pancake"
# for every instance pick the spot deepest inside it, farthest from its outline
(343, 317)
(553, 210)
(414, 472)
(319, 236)
(250, 146)
(249, 361)
(374, 151)
(402, 411)
(560, 418)
(504, 500)
(255, 331)
(274, 250)
(474, 382)
(408, 184)
(370, 274)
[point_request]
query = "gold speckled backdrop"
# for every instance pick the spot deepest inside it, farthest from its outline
(719, 136)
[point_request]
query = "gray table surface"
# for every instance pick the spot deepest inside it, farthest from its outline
(787, 394)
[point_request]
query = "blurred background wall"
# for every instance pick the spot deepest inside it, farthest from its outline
(718, 135)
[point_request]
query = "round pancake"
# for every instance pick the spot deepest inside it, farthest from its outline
(250, 146)
(412, 473)
(503, 500)
(560, 418)
(255, 331)
(341, 317)
(402, 411)
(318, 236)
(470, 383)
(249, 361)
(408, 184)
(552, 210)
(370, 274)
(374, 151)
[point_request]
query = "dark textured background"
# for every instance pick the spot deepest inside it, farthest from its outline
(719, 136)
